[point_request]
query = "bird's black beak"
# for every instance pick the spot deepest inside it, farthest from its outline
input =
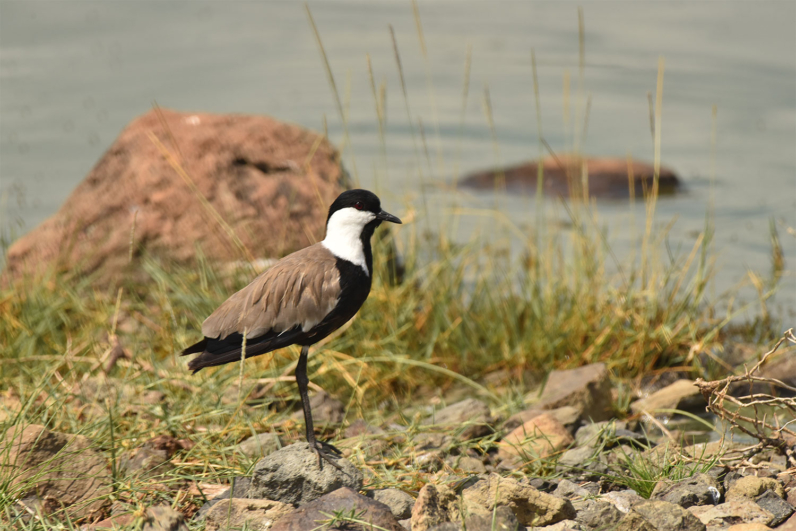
(386, 216)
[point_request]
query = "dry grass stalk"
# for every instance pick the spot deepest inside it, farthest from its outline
(770, 434)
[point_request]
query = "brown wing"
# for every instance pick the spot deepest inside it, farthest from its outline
(301, 289)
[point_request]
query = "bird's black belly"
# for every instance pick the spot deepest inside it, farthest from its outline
(354, 290)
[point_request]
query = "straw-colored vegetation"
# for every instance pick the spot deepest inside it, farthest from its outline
(489, 317)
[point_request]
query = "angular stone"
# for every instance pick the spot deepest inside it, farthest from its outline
(665, 516)
(238, 489)
(145, 462)
(563, 525)
(435, 505)
(596, 513)
(293, 475)
(772, 503)
(575, 458)
(260, 445)
(735, 511)
(566, 415)
(753, 486)
(345, 501)
(235, 513)
(59, 467)
(700, 489)
(539, 437)
(471, 415)
(587, 389)
(530, 506)
(399, 502)
(682, 394)
(624, 500)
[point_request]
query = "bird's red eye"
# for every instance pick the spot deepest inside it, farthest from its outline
(358, 205)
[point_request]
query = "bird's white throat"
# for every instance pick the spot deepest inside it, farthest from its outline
(343, 235)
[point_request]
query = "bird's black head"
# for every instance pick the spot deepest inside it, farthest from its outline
(362, 201)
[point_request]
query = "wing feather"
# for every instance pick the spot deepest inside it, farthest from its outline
(299, 290)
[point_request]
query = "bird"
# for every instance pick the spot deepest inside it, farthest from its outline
(300, 300)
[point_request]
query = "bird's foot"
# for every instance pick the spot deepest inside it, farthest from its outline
(326, 452)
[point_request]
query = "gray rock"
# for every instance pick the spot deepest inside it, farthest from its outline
(406, 524)
(446, 526)
(163, 518)
(293, 475)
(665, 516)
(239, 490)
(575, 458)
(399, 502)
(237, 513)
(735, 511)
(587, 388)
(624, 500)
(345, 501)
(596, 513)
(530, 506)
(570, 490)
(502, 519)
(700, 489)
(471, 414)
(778, 507)
(260, 445)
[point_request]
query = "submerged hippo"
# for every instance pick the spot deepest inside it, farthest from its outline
(565, 175)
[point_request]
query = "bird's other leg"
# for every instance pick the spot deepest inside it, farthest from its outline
(322, 449)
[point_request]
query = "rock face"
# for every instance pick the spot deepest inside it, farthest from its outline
(607, 177)
(539, 437)
(372, 514)
(292, 475)
(399, 502)
(530, 506)
(587, 389)
(255, 515)
(61, 470)
(700, 489)
(665, 516)
(255, 172)
(682, 394)
(435, 505)
(737, 511)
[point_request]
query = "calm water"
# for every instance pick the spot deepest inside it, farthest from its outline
(72, 74)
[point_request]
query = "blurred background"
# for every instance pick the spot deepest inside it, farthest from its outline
(74, 73)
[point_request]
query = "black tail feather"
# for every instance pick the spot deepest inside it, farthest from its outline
(213, 352)
(195, 348)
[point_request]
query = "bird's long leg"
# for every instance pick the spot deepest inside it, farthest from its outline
(322, 449)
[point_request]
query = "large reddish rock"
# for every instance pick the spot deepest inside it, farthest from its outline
(563, 175)
(270, 181)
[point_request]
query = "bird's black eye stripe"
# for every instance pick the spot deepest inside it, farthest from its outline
(358, 205)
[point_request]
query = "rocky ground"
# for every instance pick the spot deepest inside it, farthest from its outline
(564, 463)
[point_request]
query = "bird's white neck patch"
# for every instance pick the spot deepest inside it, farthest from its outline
(343, 235)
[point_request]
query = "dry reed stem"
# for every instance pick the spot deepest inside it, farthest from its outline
(759, 427)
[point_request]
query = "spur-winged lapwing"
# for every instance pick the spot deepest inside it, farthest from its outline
(301, 299)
